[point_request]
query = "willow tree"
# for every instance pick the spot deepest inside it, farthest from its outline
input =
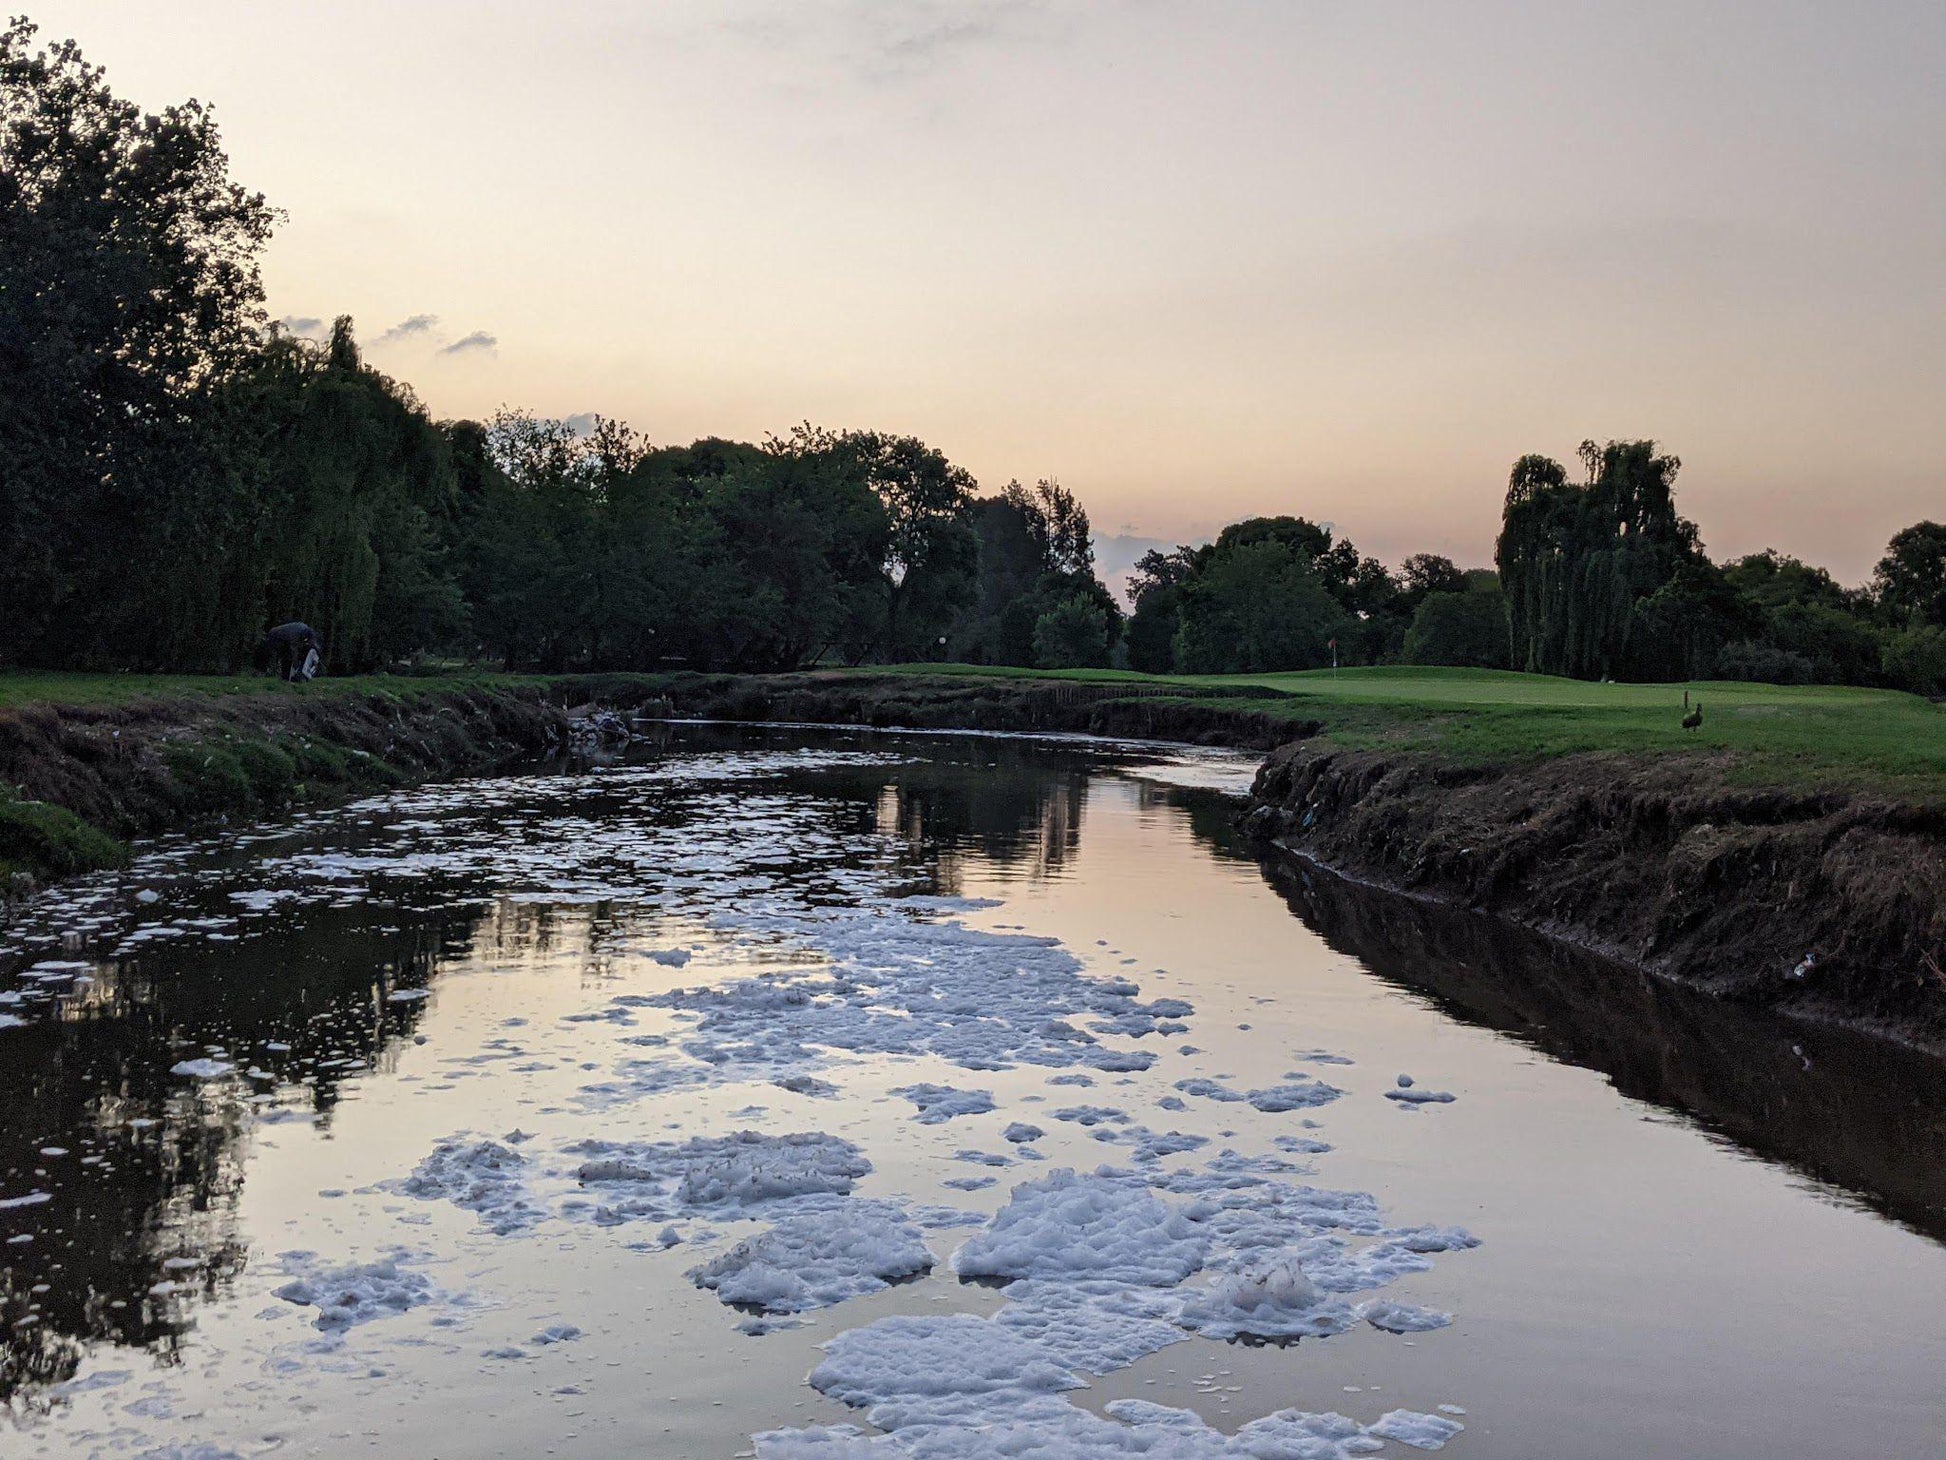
(347, 472)
(1577, 560)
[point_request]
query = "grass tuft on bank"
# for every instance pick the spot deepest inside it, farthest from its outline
(42, 841)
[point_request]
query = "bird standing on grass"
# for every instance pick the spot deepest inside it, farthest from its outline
(1694, 719)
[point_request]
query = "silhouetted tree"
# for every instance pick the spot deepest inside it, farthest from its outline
(1910, 580)
(1577, 560)
(1073, 634)
(1256, 603)
(128, 284)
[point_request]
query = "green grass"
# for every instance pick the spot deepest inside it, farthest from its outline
(1769, 734)
(46, 841)
(67, 688)
(1765, 734)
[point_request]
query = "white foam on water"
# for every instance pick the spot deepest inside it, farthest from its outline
(1096, 1270)
(1300, 1096)
(483, 1176)
(202, 1069)
(1270, 1297)
(816, 1260)
(937, 1103)
(1409, 1098)
(1067, 1225)
(1422, 1431)
(1401, 1317)
(957, 1387)
(743, 1173)
(349, 1294)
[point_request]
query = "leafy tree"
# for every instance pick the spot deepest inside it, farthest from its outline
(1072, 635)
(1256, 605)
(128, 283)
(806, 540)
(347, 473)
(1771, 580)
(1755, 661)
(1910, 580)
(929, 553)
(1058, 525)
(1155, 587)
(1373, 622)
(1460, 628)
(1799, 624)
(1036, 552)
(1156, 570)
(1915, 659)
(1577, 561)
(1152, 629)
(1423, 574)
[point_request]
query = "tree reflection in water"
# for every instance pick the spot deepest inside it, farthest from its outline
(140, 1221)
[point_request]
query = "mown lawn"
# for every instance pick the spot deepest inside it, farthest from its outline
(1772, 734)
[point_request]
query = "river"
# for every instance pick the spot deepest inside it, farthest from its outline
(986, 1091)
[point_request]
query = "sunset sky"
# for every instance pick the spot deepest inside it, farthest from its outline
(1198, 260)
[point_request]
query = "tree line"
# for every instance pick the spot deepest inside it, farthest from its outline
(177, 473)
(1599, 578)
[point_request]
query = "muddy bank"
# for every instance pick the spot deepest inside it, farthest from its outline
(1825, 905)
(77, 780)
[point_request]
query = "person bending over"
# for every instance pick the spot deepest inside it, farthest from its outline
(296, 650)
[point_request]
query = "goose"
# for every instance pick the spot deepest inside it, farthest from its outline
(1694, 718)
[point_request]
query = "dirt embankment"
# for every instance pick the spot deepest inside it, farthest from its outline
(77, 779)
(1822, 904)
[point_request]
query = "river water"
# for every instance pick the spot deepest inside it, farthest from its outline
(767, 1090)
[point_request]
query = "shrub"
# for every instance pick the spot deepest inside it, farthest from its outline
(1073, 634)
(1915, 659)
(1465, 630)
(1760, 663)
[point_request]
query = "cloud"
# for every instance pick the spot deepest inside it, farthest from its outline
(416, 327)
(582, 423)
(877, 43)
(304, 326)
(477, 342)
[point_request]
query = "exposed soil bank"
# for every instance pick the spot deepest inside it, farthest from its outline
(77, 779)
(1828, 905)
